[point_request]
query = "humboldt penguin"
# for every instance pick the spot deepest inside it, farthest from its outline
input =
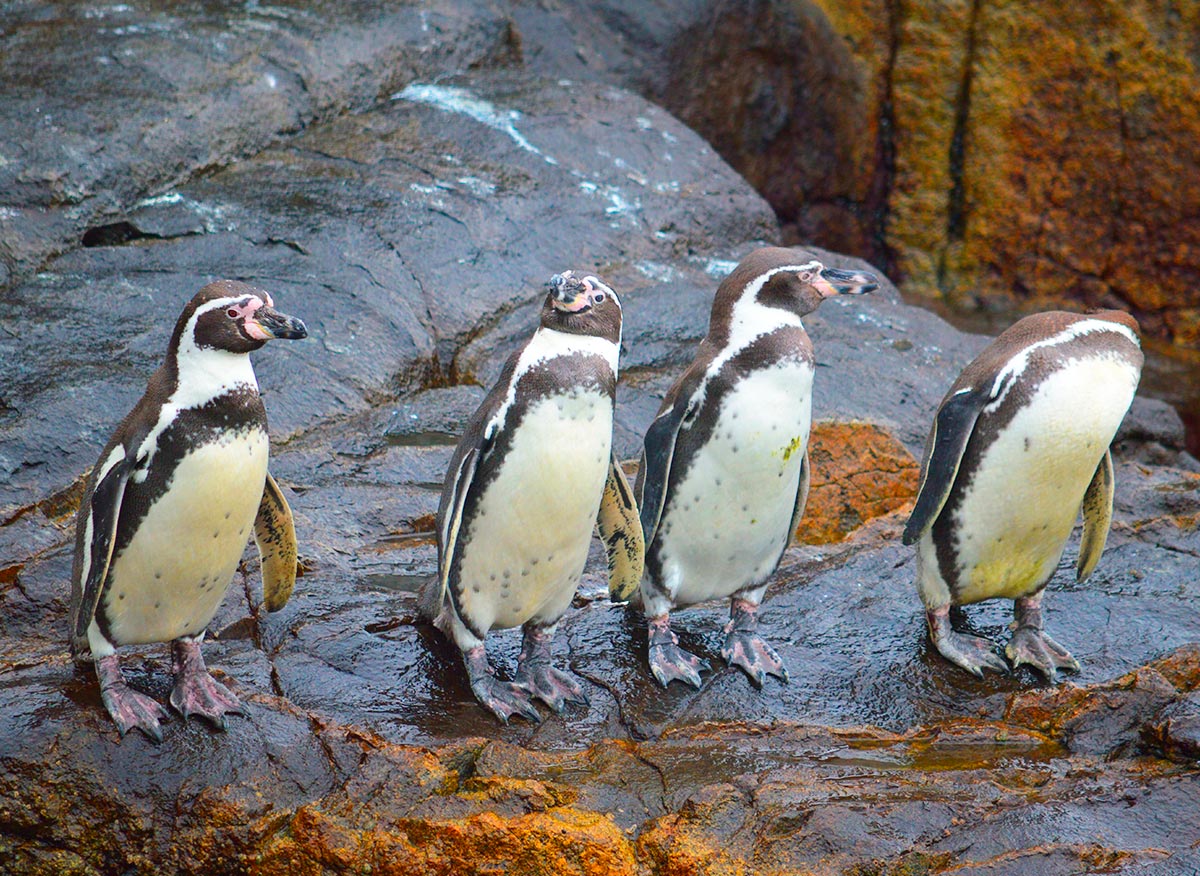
(1018, 445)
(531, 477)
(724, 472)
(168, 508)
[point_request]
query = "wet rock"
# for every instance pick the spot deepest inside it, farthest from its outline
(161, 93)
(1175, 731)
(414, 236)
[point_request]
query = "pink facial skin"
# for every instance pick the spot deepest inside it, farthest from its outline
(245, 312)
(583, 302)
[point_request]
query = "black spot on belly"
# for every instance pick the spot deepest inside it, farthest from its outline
(1026, 443)
(217, 534)
(158, 576)
(157, 605)
(120, 596)
(227, 513)
(476, 588)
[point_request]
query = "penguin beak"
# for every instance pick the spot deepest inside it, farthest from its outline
(832, 281)
(570, 294)
(274, 324)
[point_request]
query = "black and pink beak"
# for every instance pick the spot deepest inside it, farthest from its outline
(266, 323)
(833, 281)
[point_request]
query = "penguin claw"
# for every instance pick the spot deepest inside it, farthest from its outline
(972, 653)
(505, 699)
(1031, 646)
(552, 687)
(130, 709)
(201, 694)
(750, 653)
(670, 663)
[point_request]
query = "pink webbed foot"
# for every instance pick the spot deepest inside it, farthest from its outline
(1030, 644)
(747, 650)
(534, 672)
(668, 661)
(972, 653)
(196, 692)
(502, 698)
(128, 708)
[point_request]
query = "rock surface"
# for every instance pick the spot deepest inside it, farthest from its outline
(407, 192)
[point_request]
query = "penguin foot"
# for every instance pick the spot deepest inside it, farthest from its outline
(1033, 647)
(747, 650)
(539, 677)
(972, 653)
(196, 692)
(128, 708)
(552, 686)
(668, 661)
(750, 653)
(502, 698)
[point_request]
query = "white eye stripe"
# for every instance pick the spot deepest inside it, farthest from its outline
(601, 286)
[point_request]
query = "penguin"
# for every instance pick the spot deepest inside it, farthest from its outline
(1018, 445)
(724, 471)
(530, 478)
(168, 508)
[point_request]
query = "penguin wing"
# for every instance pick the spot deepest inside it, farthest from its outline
(98, 536)
(658, 449)
(1097, 515)
(275, 535)
(621, 531)
(801, 496)
(952, 428)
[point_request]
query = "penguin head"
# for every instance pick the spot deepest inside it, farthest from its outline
(786, 279)
(235, 317)
(802, 288)
(582, 305)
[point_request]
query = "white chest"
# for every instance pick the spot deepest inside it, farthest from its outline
(728, 519)
(1018, 512)
(528, 540)
(171, 578)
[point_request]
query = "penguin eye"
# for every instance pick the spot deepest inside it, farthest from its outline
(598, 297)
(232, 313)
(806, 276)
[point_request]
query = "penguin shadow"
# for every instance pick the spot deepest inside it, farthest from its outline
(445, 707)
(648, 709)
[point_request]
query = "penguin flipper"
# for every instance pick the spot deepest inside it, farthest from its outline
(103, 510)
(451, 521)
(801, 496)
(275, 535)
(1097, 516)
(952, 429)
(621, 531)
(654, 471)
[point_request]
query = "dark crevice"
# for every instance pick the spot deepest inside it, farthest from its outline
(121, 233)
(883, 176)
(956, 213)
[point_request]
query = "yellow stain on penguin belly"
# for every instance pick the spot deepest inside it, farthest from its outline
(1025, 498)
(171, 579)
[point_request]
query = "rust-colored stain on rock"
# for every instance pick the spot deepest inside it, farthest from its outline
(859, 472)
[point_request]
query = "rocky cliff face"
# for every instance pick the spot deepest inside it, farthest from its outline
(983, 150)
(405, 180)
